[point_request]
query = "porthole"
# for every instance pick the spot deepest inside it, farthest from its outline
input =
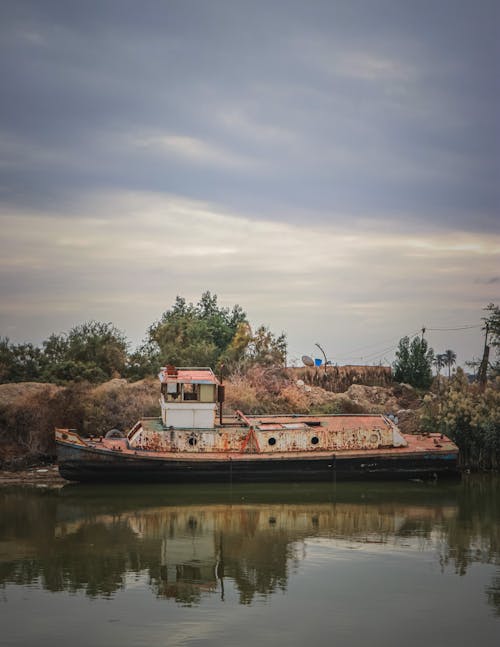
(192, 441)
(314, 440)
(272, 441)
(373, 438)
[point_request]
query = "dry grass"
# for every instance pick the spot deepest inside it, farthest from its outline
(339, 378)
(13, 391)
(241, 396)
(28, 418)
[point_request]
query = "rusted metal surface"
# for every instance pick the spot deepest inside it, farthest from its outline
(188, 376)
(69, 436)
(279, 438)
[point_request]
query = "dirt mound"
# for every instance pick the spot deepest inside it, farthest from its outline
(376, 399)
(111, 385)
(409, 421)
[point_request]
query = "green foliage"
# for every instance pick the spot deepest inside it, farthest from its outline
(144, 361)
(470, 415)
(492, 321)
(439, 362)
(206, 335)
(201, 334)
(448, 358)
(20, 362)
(93, 352)
(266, 349)
(413, 363)
(195, 335)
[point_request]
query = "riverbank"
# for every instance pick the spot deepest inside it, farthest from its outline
(46, 475)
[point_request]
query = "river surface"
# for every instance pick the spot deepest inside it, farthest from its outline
(355, 564)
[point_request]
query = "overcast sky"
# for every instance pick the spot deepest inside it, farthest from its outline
(331, 166)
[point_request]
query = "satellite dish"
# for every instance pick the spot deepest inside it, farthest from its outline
(307, 361)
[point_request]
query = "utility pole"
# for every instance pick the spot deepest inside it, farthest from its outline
(324, 354)
(483, 367)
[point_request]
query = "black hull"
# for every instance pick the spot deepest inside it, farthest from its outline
(88, 465)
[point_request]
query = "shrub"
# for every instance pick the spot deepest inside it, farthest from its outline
(470, 416)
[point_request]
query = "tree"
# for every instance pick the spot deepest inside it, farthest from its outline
(144, 361)
(196, 335)
(413, 363)
(493, 323)
(5, 359)
(20, 362)
(450, 358)
(237, 349)
(470, 415)
(439, 362)
(205, 334)
(492, 333)
(93, 351)
(267, 349)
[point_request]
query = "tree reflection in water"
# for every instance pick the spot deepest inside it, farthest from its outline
(100, 540)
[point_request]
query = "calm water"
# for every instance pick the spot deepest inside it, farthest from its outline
(354, 564)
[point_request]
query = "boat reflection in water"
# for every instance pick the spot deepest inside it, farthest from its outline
(255, 545)
(184, 544)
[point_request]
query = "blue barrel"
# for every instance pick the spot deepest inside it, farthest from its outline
(318, 362)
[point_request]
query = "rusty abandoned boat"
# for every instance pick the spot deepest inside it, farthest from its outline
(190, 442)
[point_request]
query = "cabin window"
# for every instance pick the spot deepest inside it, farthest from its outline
(171, 390)
(191, 392)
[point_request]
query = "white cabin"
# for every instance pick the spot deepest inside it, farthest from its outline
(189, 397)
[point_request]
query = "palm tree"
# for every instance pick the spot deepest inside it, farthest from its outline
(439, 362)
(450, 358)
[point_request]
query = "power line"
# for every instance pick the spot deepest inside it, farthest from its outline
(381, 353)
(349, 354)
(456, 328)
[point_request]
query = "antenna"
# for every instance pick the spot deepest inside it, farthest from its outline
(324, 354)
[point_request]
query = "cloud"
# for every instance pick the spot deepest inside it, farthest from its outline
(332, 167)
(194, 150)
(277, 110)
(124, 256)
